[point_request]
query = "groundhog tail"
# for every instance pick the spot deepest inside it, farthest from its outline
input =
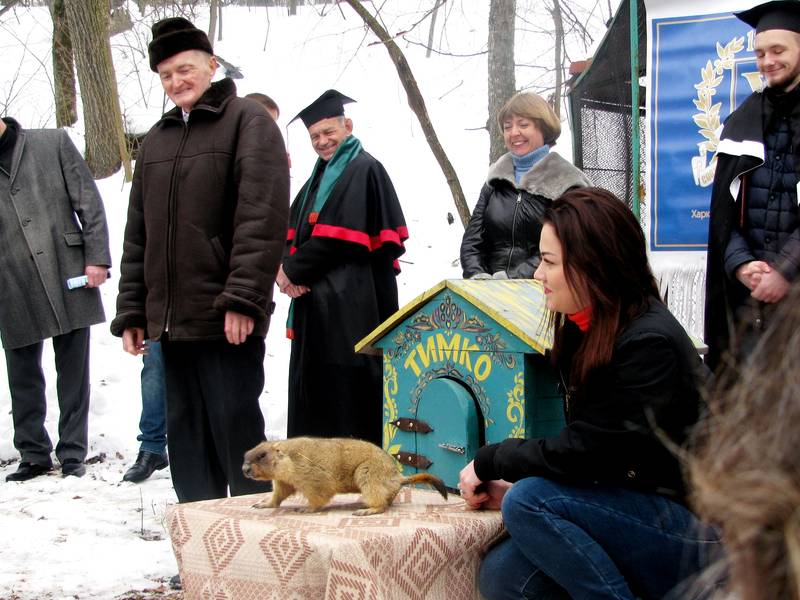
(431, 480)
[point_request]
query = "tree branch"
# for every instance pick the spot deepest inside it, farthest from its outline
(417, 104)
(439, 52)
(9, 5)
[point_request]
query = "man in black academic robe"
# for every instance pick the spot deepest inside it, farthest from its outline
(754, 233)
(346, 231)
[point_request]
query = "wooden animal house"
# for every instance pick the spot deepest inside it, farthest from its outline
(464, 365)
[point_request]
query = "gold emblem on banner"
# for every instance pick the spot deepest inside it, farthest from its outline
(708, 120)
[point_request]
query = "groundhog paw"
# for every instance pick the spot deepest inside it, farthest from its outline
(265, 504)
(363, 512)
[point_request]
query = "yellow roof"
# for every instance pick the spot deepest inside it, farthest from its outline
(516, 304)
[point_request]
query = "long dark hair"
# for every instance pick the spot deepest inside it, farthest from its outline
(605, 263)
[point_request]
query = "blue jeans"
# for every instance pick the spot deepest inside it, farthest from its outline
(593, 542)
(153, 422)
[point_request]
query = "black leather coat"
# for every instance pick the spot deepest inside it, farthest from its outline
(503, 232)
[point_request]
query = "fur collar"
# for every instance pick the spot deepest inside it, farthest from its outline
(550, 177)
(214, 99)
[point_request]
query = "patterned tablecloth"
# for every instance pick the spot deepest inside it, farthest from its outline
(423, 547)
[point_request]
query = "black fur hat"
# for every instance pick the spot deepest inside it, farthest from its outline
(174, 35)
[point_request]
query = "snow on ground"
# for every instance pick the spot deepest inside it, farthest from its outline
(97, 537)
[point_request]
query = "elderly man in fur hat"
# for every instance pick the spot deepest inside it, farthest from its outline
(754, 231)
(206, 223)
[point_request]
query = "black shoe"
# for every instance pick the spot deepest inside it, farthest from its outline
(146, 463)
(175, 582)
(28, 470)
(74, 467)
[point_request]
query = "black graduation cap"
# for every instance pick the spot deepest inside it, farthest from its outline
(329, 104)
(778, 14)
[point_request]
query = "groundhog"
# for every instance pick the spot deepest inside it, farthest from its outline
(319, 468)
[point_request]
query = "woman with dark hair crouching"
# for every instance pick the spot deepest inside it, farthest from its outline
(598, 511)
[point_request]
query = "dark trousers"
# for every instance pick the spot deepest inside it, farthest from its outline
(752, 320)
(29, 403)
(213, 416)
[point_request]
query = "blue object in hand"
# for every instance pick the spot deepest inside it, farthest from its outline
(77, 282)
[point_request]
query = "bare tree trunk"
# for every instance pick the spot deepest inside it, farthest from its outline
(212, 21)
(219, 24)
(292, 7)
(501, 69)
(417, 104)
(66, 99)
(105, 139)
(431, 31)
(558, 23)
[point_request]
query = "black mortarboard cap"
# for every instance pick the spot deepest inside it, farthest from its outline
(329, 104)
(778, 14)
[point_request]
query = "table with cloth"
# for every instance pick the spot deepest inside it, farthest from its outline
(423, 547)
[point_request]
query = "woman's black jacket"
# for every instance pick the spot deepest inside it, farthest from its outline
(503, 232)
(618, 422)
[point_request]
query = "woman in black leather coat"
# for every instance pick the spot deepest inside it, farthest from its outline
(502, 237)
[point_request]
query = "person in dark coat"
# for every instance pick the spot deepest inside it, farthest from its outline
(206, 224)
(54, 230)
(754, 226)
(598, 511)
(346, 232)
(502, 237)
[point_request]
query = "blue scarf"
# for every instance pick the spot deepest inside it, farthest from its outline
(345, 153)
(524, 163)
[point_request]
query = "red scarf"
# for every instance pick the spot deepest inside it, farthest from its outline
(582, 318)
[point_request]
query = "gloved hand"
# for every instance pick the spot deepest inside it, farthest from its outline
(500, 275)
(481, 276)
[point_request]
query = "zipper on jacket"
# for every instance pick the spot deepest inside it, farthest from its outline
(513, 232)
(171, 225)
(567, 395)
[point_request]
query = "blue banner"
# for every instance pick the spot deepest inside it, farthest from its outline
(702, 67)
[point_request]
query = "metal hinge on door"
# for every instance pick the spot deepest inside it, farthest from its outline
(418, 461)
(412, 425)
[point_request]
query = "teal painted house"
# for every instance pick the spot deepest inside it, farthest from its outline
(464, 365)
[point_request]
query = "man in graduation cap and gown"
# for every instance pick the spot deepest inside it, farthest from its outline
(346, 231)
(754, 239)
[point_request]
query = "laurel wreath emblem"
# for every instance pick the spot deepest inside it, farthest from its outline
(708, 119)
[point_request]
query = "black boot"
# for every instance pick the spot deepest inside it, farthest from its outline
(28, 470)
(146, 463)
(175, 582)
(73, 466)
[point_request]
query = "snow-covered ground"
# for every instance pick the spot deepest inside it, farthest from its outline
(97, 537)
